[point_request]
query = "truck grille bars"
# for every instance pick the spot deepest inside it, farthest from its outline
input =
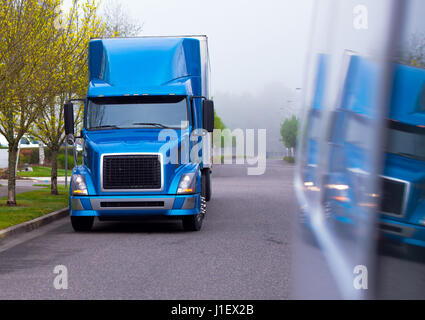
(394, 195)
(131, 172)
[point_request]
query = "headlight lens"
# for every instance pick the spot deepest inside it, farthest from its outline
(187, 183)
(79, 186)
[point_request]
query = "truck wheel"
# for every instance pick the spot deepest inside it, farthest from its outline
(82, 223)
(194, 222)
(208, 193)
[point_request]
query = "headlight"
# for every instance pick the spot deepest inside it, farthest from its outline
(78, 185)
(187, 183)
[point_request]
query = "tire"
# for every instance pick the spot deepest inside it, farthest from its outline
(208, 193)
(194, 222)
(81, 224)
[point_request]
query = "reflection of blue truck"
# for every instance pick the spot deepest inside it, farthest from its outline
(138, 88)
(403, 182)
(402, 198)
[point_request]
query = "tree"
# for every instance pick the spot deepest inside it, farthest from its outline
(414, 52)
(27, 35)
(118, 22)
(218, 123)
(70, 75)
(289, 131)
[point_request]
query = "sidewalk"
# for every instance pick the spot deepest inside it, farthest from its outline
(47, 179)
(23, 185)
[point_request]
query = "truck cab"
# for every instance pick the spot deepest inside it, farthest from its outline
(146, 132)
(402, 204)
(401, 200)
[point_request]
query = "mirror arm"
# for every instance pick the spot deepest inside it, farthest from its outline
(74, 149)
(76, 99)
(198, 97)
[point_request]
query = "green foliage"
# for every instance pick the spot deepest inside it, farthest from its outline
(32, 204)
(218, 123)
(41, 172)
(413, 54)
(61, 160)
(289, 131)
(43, 62)
(31, 156)
(289, 159)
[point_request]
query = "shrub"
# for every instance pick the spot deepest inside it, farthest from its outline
(289, 159)
(61, 160)
(29, 156)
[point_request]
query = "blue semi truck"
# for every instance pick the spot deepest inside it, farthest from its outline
(402, 203)
(147, 109)
(401, 200)
(360, 170)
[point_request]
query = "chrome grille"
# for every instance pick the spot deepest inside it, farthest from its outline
(132, 172)
(393, 196)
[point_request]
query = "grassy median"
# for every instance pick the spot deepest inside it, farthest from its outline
(42, 172)
(32, 204)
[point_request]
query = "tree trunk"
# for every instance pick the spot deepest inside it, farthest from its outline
(11, 183)
(54, 176)
(41, 154)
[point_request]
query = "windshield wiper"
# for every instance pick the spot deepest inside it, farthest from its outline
(154, 124)
(106, 126)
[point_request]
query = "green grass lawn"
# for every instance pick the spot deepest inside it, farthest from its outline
(42, 172)
(32, 204)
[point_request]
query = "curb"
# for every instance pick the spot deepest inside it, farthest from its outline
(32, 224)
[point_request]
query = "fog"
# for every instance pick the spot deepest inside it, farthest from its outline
(263, 109)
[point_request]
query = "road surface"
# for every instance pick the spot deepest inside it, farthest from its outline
(242, 252)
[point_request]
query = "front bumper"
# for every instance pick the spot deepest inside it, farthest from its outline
(398, 231)
(116, 206)
(402, 232)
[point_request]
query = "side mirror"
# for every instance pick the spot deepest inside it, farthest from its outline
(68, 111)
(208, 115)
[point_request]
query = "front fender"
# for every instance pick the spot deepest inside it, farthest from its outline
(191, 167)
(83, 170)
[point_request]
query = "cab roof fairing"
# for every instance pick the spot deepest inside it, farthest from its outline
(408, 95)
(137, 66)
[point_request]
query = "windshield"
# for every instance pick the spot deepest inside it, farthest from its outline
(137, 112)
(406, 140)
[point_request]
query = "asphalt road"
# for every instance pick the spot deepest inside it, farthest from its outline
(242, 252)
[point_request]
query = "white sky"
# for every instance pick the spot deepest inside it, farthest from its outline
(252, 43)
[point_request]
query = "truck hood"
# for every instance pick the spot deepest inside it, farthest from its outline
(126, 141)
(129, 141)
